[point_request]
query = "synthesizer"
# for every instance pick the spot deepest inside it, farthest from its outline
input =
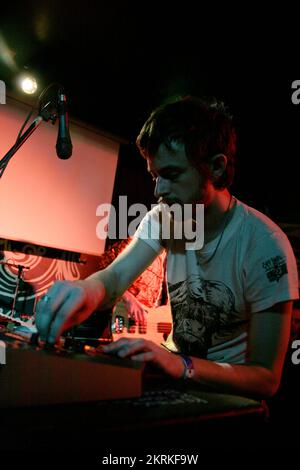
(34, 375)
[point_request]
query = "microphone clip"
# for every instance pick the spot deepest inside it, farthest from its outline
(49, 112)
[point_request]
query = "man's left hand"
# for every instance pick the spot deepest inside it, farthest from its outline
(144, 350)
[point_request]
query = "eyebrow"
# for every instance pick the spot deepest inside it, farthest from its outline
(164, 169)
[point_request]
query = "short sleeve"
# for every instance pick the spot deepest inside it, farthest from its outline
(270, 272)
(149, 229)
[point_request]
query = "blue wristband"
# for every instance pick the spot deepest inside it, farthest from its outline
(189, 370)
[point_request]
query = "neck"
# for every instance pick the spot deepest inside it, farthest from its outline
(217, 210)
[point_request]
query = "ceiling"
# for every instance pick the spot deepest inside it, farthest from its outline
(119, 59)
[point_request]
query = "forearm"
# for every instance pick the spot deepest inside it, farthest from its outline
(252, 380)
(109, 282)
(248, 380)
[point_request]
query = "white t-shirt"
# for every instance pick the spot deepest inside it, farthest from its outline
(212, 299)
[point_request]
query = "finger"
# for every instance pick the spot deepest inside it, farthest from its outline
(47, 307)
(133, 347)
(67, 315)
(136, 315)
(116, 345)
(140, 316)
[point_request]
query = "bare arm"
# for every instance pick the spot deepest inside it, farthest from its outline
(125, 269)
(259, 377)
(70, 303)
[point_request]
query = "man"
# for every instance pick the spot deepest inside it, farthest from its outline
(231, 300)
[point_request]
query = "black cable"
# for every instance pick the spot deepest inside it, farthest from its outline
(4, 161)
(24, 124)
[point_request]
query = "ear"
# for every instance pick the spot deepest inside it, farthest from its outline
(217, 166)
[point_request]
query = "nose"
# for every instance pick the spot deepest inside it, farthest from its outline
(162, 188)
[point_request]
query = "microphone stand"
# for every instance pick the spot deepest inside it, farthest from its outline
(44, 115)
(19, 277)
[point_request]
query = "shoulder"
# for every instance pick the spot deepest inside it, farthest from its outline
(267, 248)
(259, 227)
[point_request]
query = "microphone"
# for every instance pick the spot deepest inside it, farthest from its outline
(63, 144)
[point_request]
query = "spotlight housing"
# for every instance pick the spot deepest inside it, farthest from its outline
(28, 84)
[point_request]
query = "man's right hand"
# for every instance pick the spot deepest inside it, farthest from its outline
(67, 304)
(70, 303)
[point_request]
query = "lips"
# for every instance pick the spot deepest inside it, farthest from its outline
(168, 202)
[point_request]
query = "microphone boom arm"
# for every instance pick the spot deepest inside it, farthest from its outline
(44, 115)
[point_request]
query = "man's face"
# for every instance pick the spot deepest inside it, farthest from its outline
(176, 180)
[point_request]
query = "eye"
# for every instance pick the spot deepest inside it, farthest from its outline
(172, 176)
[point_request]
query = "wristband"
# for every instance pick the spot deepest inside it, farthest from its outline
(189, 370)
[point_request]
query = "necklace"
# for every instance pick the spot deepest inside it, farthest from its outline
(226, 220)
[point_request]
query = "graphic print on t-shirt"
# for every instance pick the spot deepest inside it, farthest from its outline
(203, 314)
(275, 268)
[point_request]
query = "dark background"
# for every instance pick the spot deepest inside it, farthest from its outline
(120, 59)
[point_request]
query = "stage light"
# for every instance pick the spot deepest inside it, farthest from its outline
(29, 85)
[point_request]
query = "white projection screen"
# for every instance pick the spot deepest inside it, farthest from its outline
(48, 201)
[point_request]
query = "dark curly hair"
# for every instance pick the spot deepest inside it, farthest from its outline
(205, 128)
